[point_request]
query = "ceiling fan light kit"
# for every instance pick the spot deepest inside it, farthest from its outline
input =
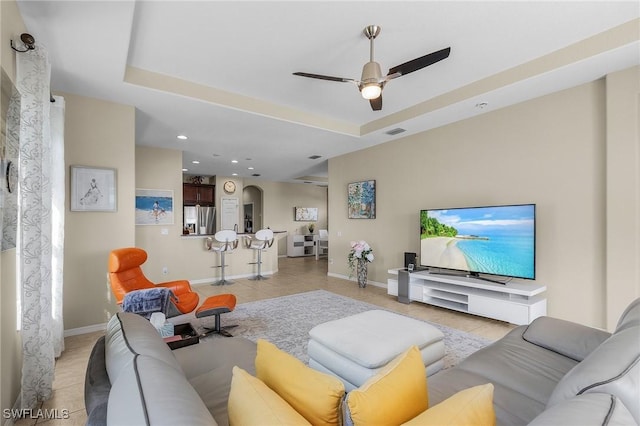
(371, 90)
(372, 82)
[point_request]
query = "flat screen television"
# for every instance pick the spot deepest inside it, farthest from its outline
(492, 240)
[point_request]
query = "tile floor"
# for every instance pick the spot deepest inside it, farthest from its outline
(296, 275)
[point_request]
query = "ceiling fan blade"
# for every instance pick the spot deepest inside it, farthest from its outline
(376, 104)
(418, 63)
(324, 77)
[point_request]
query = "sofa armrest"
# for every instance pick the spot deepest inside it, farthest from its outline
(572, 340)
(588, 409)
(96, 386)
(178, 287)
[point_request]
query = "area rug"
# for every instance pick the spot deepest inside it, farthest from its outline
(285, 321)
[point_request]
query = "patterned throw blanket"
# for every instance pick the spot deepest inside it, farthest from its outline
(147, 301)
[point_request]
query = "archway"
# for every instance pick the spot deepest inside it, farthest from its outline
(252, 200)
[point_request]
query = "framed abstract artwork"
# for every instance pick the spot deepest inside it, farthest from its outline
(93, 189)
(361, 200)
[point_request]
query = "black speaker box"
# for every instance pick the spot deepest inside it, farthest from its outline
(409, 258)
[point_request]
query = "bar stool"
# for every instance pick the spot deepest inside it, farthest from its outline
(262, 240)
(222, 242)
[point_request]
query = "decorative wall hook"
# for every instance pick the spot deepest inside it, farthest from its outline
(28, 41)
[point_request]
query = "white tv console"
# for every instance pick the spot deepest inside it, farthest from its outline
(516, 302)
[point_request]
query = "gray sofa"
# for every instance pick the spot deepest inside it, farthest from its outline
(554, 372)
(551, 372)
(133, 378)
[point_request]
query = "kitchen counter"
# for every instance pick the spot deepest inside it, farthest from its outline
(204, 264)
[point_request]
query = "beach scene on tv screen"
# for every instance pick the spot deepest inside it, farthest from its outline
(492, 240)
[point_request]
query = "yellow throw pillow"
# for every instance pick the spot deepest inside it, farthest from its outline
(470, 407)
(251, 402)
(397, 393)
(315, 395)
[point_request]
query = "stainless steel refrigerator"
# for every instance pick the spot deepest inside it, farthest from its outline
(200, 220)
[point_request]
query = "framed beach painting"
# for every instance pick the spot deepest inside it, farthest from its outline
(154, 207)
(361, 199)
(93, 189)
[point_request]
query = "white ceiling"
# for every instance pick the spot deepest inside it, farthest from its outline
(221, 72)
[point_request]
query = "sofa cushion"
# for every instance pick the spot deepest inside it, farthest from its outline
(588, 409)
(130, 334)
(148, 391)
(208, 365)
(523, 374)
(566, 338)
(473, 406)
(315, 395)
(511, 407)
(252, 403)
(613, 368)
(396, 394)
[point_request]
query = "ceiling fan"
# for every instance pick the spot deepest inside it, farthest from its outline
(372, 82)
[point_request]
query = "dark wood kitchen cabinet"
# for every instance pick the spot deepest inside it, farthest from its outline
(193, 194)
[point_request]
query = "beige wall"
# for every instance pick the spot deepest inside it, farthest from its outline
(623, 191)
(280, 198)
(98, 134)
(11, 24)
(549, 151)
(162, 169)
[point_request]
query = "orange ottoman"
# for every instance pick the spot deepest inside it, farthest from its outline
(216, 305)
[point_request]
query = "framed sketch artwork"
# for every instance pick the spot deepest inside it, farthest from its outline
(93, 189)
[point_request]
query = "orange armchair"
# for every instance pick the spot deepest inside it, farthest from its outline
(126, 275)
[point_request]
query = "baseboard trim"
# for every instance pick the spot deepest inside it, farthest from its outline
(206, 281)
(346, 277)
(212, 280)
(85, 330)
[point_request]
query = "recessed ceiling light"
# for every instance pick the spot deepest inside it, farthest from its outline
(234, 174)
(249, 168)
(234, 161)
(182, 137)
(195, 162)
(185, 170)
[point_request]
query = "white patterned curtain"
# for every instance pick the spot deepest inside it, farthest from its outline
(12, 151)
(41, 157)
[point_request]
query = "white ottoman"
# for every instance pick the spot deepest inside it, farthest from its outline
(354, 348)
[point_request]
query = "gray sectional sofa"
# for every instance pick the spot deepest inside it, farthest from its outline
(133, 378)
(554, 372)
(551, 372)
